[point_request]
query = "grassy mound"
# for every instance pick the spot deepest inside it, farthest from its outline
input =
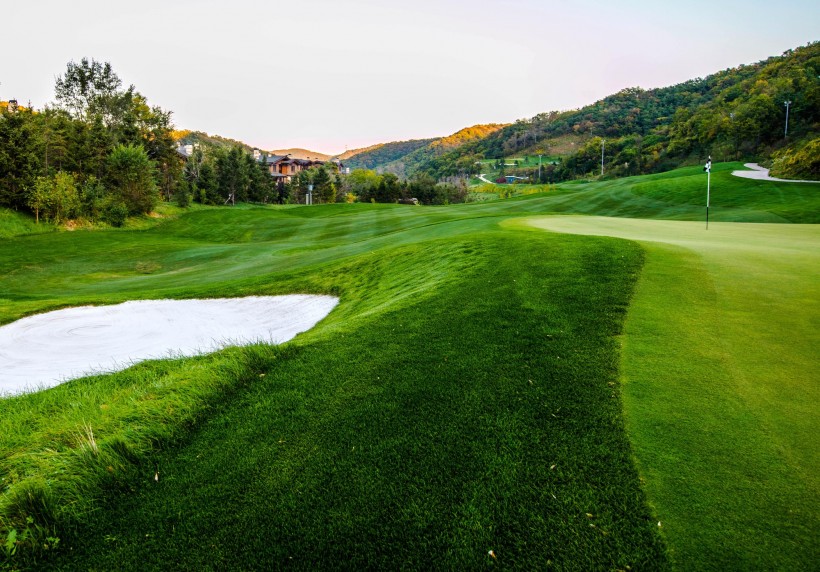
(480, 415)
(681, 195)
(425, 368)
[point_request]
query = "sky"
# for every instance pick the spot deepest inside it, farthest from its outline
(331, 75)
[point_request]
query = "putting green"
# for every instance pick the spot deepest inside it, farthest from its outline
(721, 388)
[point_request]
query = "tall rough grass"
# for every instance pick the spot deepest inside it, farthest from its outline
(66, 448)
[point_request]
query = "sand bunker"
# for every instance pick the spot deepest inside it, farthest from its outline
(47, 349)
(762, 174)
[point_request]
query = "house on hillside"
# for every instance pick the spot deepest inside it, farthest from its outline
(284, 167)
(185, 151)
(281, 167)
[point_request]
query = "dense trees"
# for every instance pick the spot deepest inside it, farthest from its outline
(368, 186)
(217, 175)
(382, 154)
(100, 153)
(734, 114)
(20, 152)
(115, 151)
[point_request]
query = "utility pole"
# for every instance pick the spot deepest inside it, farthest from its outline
(787, 104)
(602, 156)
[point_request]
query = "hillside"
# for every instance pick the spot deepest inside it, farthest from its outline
(188, 137)
(377, 156)
(413, 162)
(352, 152)
(733, 114)
(298, 153)
(404, 158)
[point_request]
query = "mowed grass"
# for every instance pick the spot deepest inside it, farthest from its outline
(472, 369)
(721, 387)
(102, 436)
(483, 418)
(681, 195)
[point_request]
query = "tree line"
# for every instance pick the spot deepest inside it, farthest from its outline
(365, 185)
(99, 152)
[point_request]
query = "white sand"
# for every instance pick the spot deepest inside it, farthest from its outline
(47, 349)
(762, 174)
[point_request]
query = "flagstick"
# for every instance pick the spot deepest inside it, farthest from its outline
(708, 185)
(708, 168)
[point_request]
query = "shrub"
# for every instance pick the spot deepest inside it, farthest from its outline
(55, 197)
(115, 213)
(798, 163)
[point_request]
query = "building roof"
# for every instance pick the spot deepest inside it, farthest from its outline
(273, 159)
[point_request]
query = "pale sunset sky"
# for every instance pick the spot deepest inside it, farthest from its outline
(328, 75)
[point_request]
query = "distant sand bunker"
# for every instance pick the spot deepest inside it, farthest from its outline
(47, 349)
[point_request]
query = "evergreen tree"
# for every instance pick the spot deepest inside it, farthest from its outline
(20, 152)
(323, 187)
(131, 178)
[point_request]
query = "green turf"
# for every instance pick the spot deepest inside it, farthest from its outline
(13, 223)
(413, 439)
(721, 388)
(443, 274)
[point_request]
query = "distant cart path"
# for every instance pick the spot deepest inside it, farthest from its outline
(762, 174)
(483, 177)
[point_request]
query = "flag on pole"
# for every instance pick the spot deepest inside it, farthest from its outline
(708, 168)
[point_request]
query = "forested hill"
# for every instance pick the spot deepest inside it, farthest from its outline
(188, 137)
(412, 163)
(403, 158)
(379, 155)
(737, 113)
(300, 153)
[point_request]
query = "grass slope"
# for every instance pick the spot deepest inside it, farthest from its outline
(13, 223)
(421, 268)
(681, 195)
(415, 439)
(726, 436)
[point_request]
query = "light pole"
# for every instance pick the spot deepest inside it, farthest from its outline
(309, 196)
(603, 141)
(787, 104)
(539, 168)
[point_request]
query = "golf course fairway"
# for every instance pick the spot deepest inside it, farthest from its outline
(490, 391)
(720, 386)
